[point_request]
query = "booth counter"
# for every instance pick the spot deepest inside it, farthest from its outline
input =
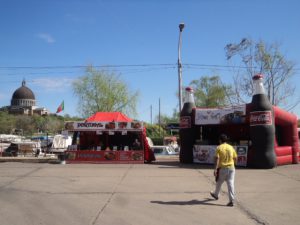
(107, 142)
(105, 156)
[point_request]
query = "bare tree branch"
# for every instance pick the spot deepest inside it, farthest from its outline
(259, 57)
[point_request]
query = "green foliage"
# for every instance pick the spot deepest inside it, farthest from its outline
(7, 123)
(103, 91)
(155, 131)
(210, 92)
(164, 119)
(30, 125)
(158, 141)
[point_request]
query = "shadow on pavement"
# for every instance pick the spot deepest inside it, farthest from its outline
(206, 201)
(177, 164)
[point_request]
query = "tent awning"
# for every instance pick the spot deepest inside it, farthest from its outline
(108, 117)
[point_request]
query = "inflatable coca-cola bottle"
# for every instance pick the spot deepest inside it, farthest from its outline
(262, 129)
(186, 132)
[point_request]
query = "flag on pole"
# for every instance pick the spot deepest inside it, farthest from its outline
(61, 107)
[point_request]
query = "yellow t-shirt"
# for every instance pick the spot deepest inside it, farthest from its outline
(226, 155)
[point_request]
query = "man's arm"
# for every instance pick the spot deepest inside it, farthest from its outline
(216, 165)
(234, 156)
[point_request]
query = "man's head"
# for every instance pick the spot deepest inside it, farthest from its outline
(223, 138)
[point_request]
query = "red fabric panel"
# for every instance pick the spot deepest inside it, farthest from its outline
(289, 123)
(149, 154)
(108, 117)
(283, 150)
(287, 159)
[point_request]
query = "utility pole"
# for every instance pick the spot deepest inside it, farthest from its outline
(159, 122)
(151, 114)
(181, 26)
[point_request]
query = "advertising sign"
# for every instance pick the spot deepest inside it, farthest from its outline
(260, 118)
(242, 152)
(185, 122)
(105, 156)
(98, 126)
(235, 114)
(204, 154)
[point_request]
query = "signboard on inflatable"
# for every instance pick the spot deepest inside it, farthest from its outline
(204, 154)
(225, 115)
(260, 118)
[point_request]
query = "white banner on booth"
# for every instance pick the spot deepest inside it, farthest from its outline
(78, 126)
(204, 154)
(234, 114)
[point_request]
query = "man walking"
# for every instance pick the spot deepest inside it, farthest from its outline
(225, 158)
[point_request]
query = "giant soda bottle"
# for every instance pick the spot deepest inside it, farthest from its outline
(262, 129)
(186, 132)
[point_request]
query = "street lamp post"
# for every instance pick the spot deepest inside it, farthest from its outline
(181, 26)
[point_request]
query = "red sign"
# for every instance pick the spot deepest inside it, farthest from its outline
(105, 156)
(260, 118)
(185, 122)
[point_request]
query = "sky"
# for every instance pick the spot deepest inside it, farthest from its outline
(50, 42)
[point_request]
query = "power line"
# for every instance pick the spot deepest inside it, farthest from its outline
(82, 67)
(171, 65)
(55, 71)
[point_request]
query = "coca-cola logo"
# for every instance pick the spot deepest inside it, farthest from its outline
(185, 122)
(260, 118)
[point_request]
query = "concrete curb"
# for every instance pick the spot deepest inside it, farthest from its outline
(29, 159)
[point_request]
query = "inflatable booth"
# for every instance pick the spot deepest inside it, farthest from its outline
(263, 135)
(108, 137)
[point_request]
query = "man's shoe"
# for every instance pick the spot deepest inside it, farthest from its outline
(214, 196)
(230, 204)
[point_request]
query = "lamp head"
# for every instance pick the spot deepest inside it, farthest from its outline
(181, 26)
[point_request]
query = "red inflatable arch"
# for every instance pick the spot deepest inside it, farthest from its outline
(286, 141)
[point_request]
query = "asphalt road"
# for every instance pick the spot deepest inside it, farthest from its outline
(161, 193)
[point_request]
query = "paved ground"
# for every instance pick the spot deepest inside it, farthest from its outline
(161, 193)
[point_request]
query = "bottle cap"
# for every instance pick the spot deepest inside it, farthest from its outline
(258, 76)
(258, 85)
(189, 89)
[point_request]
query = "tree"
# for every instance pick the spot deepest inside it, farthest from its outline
(164, 119)
(30, 125)
(101, 90)
(155, 131)
(210, 92)
(25, 123)
(259, 57)
(7, 122)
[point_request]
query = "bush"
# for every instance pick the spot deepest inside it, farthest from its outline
(157, 141)
(155, 131)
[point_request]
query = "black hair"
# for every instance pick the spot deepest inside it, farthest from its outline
(223, 138)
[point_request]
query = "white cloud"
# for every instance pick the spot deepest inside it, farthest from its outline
(2, 96)
(77, 19)
(46, 37)
(53, 84)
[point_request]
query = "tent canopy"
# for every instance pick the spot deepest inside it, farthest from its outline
(120, 117)
(108, 117)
